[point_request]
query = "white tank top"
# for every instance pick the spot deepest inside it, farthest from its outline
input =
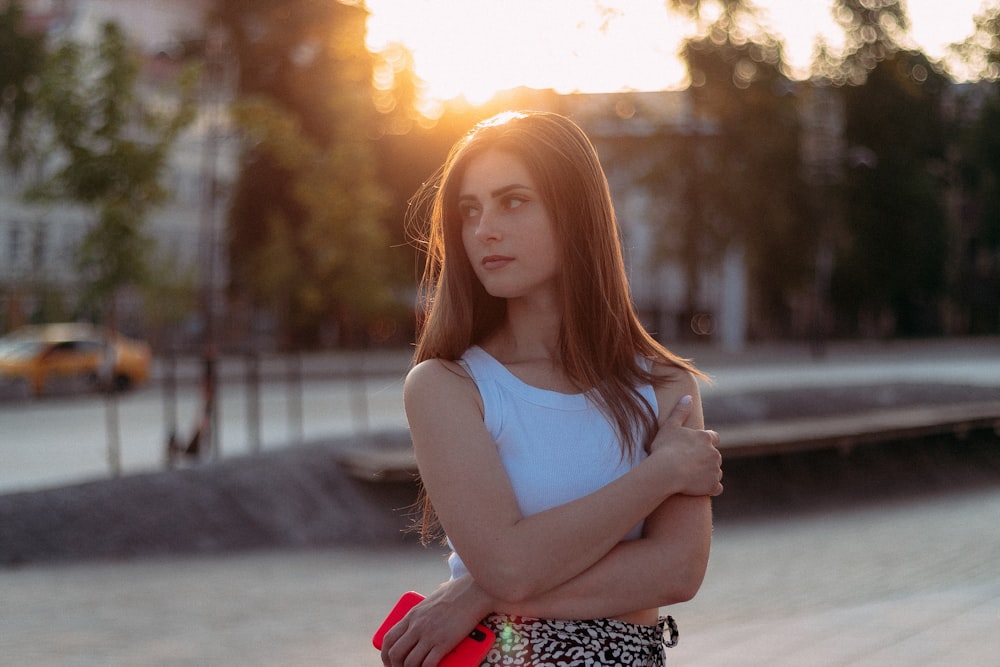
(555, 447)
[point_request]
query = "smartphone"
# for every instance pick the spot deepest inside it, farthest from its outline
(469, 652)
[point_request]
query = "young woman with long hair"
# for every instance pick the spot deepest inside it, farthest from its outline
(561, 449)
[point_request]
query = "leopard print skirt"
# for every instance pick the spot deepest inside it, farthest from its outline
(533, 642)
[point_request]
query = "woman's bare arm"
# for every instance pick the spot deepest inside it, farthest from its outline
(665, 566)
(515, 558)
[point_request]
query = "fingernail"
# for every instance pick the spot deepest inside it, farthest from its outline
(686, 400)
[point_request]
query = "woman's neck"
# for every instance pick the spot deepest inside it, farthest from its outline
(529, 348)
(528, 333)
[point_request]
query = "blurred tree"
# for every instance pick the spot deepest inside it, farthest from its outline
(975, 271)
(735, 170)
(22, 56)
(106, 147)
(873, 30)
(397, 92)
(981, 52)
(708, 11)
(409, 148)
(889, 271)
(170, 298)
(331, 262)
(305, 232)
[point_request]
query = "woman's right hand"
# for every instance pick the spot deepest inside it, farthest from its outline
(693, 454)
(435, 626)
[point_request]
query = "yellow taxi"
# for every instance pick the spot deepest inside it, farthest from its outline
(73, 353)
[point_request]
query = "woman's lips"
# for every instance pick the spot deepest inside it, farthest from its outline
(496, 262)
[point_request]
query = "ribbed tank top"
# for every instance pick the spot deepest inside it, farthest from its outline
(555, 447)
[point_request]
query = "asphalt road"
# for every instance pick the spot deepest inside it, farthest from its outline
(64, 439)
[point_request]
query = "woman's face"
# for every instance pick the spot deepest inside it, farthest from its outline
(506, 230)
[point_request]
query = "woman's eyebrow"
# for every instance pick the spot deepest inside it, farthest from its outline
(499, 192)
(507, 188)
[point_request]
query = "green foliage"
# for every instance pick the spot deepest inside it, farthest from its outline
(889, 273)
(733, 174)
(111, 255)
(397, 90)
(105, 148)
(981, 52)
(172, 295)
(306, 234)
(893, 262)
(874, 29)
(333, 254)
(976, 277)
(21, 61)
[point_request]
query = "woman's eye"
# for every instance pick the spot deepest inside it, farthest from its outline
(466, 211)
(513, 202)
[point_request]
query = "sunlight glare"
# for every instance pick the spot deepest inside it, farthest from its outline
(476, 48)
(469, 49)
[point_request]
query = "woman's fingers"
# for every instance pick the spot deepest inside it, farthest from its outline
(682, 410)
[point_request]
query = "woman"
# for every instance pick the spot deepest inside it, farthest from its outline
(561, 449)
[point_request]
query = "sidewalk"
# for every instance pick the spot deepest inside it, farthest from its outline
(911, 585)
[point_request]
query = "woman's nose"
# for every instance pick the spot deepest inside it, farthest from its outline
(487, 229)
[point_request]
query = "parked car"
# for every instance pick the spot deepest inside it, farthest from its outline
(50, 354)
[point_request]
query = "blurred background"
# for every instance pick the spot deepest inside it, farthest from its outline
(234, 174)
(204, 250)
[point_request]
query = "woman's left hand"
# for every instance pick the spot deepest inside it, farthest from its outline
(434, 627)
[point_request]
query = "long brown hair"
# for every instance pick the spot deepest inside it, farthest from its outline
(601, 338)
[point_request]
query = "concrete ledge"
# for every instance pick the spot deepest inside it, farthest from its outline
(760, 438)
(860, 428)
(379, 465)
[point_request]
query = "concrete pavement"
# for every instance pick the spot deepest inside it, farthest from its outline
(912, 583)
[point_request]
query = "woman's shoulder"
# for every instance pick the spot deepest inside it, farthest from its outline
(437, 376)
(440, 388)
(436, 371)
(677, 378)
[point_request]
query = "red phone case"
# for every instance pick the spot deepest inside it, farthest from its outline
(469, 652)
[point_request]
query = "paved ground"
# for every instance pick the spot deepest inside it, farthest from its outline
(883, 556)
(896, 583)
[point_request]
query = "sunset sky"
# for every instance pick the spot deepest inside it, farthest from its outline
(477, 47)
